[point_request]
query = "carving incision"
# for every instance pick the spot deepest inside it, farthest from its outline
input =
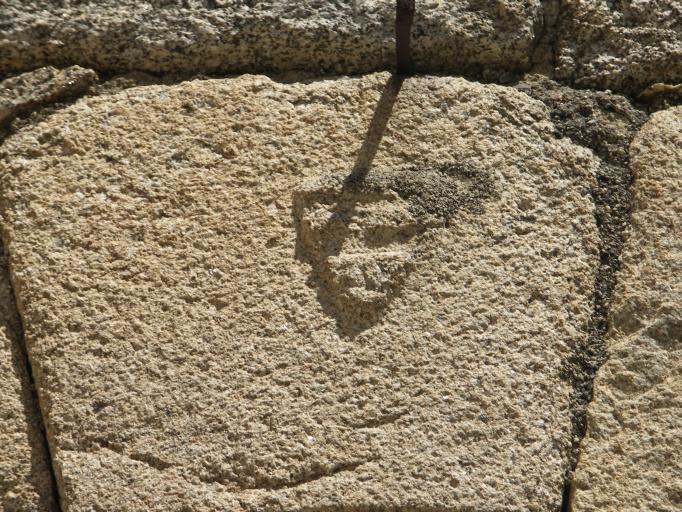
(361, 237)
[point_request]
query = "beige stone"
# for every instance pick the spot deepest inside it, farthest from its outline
(631, 458)
(24, 93)
(25, 478)
(223, 321)
(624, 46)
(225, 36)
(606, 124)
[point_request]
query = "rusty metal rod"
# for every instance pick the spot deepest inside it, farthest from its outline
(404, 14)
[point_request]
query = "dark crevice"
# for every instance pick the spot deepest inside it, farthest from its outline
(41, 450)
(543, 51)
(605, 123)
(660, 97)
(542, 59)
(135, 78)
(556, 26)
(52, 91)
(651, 99)
(566, 496)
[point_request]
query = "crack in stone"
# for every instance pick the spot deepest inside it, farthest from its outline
(312, 476)
(604, 123)
(335, 470)
(26, 94)
(542, 58)
(147, 459)
(38, 413)
(160, 465)
(381, 421)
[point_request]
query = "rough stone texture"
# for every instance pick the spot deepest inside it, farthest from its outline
(26, 92)
(222, 322)
(462, 36)
(25, 478)
(660, 96)
(605, 123)
(630, 458)
(624, 45)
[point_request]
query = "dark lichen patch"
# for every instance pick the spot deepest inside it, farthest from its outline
(438, 191)
(604, 123)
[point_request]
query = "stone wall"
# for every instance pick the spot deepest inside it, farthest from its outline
(236, 279)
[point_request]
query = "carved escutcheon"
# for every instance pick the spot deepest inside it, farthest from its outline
(361, 237)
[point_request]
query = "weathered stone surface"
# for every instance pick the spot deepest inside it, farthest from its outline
(25, 478)
(223, 323)
(624, 46)
(660, 96)
(463, 36)
(605, 123)
(28, 91)
(630, 459)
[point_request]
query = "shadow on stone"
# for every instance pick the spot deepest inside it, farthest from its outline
(377, 127)
(362, 238)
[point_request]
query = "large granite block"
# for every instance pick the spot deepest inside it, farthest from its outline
(228, 314)
(224, 36)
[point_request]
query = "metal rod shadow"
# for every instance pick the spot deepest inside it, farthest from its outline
(375, 132)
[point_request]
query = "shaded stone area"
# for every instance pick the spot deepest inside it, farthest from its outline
(187, 358)
(26, 481)
(630, 458)
(490, 39)
(605, 123)
(383, 216)
(27, 92)
(661, 96)
(620, 45)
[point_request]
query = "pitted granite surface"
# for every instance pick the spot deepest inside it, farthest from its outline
(163, 241)
(625, 46)
(28, 91)
(25, 478)
(492, 39)
(345, 294)
(630, 459)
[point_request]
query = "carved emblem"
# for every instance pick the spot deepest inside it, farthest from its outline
(362, 238)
